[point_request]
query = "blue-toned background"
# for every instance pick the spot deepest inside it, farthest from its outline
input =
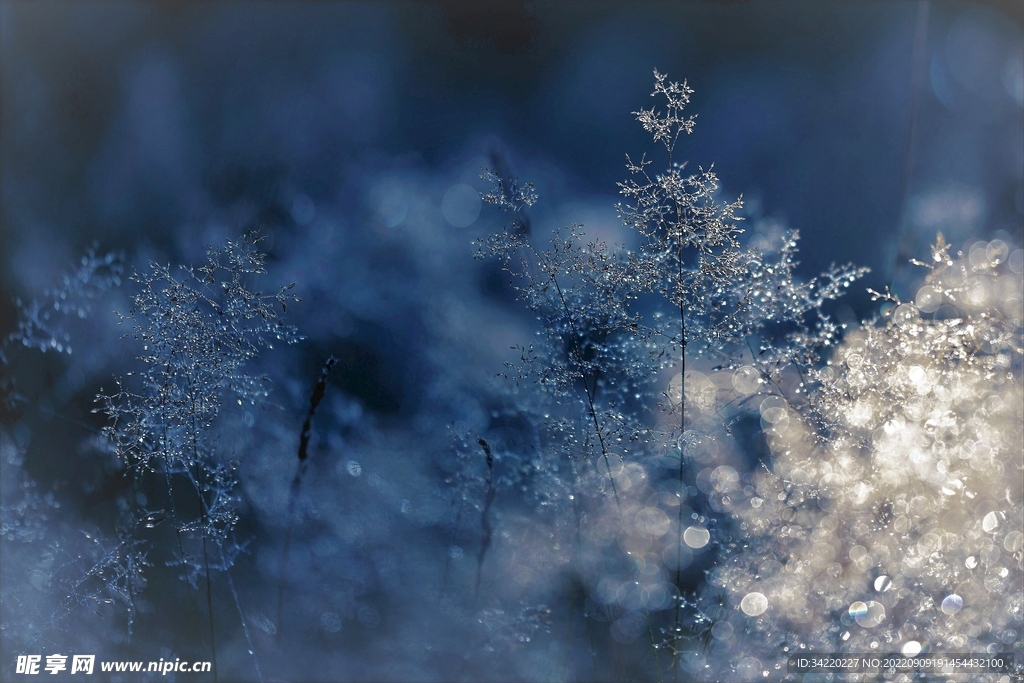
(129, 118)
(352, 135)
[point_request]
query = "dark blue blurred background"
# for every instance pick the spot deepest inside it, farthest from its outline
(353, 134)
(125, 121)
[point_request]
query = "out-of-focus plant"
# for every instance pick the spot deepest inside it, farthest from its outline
(37, 556)
(38, 323)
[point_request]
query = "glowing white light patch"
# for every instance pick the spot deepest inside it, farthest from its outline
(951, 604)
(990, 522)
(696, 536)
(867, 614)
(746, 380)
(754, 604)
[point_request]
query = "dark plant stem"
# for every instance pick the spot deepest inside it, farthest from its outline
(589, 392)
(600, 437)
(679, 537)
(676, 625)
(579, 550)
(485, 522)
(314, 400)
(181, 550)
(203, 523)
(448, 555)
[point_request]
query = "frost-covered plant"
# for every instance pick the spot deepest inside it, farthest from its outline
(717, 293)
(200, 329)
(38, 323)
(612, 322)
(891, 520)
(38, 557)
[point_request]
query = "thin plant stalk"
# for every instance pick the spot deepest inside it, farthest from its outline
(293, 493)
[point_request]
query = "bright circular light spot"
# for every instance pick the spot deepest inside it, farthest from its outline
(883, 583)
(990, 523)
(701, 392)
(696, 536)
(1016, 261)
(746, 380)
(971, 562)
(952, 604)
(652, 521)
(869, 614)
(905, 314)
(978, 256)
(911, 648)
(997, 251)
(928, 299)
(772, 403)
(461, 205)
(754, 604)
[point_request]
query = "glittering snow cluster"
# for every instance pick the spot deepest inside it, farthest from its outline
(891, 517)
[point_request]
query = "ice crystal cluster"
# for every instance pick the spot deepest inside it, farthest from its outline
(891, 518)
